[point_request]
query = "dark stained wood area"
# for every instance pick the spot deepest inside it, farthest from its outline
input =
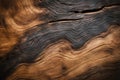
(59, 40)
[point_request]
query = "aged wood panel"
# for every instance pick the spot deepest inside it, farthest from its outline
(59, 39)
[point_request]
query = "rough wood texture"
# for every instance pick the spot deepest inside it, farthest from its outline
(59, 39)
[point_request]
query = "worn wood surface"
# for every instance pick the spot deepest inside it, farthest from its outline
(59, 40)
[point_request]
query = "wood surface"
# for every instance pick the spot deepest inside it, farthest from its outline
(59, 39)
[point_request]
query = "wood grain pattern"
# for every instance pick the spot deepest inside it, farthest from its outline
(60, 40)
(61, 62)
(16, 16)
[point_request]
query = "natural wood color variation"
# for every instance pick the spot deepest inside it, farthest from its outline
(16, 17)
(60, 62)
(59, 40)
